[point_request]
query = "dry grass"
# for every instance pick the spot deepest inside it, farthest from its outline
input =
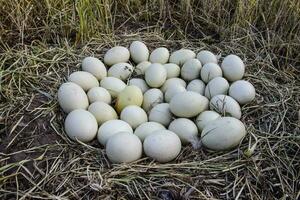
(42, 41)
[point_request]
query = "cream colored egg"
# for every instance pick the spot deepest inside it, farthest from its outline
(223, 134)
(173, 70)
(172, 81)
(117, 54)
(131, 95)
(191, 69)
(94, 66)
(162, 145)
(210, 71)
(207, 57)
(140, 83)
(188, 104)
(147, 128)
(161, 114)
(113, 85)
(121, 71)
(242, 91)
(110, 128)
(205, 117)
(102, 112)
(196, 86)
(99, 94)
(82, 125)
(134, 116)
(172, 91)
(71, 96)
(186, 130)
(179, 57)
(151, 98)
(84, 79)
(155, 75)
(138, 52)
(141, 68)
(233, 68)
(159, 55)
(218, 85)
(226, 106)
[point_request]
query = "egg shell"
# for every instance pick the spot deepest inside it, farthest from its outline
(159, 55)
(147, 128)
(161, 114)
(99, 94)
(138, 52)
(186, 130)
(134, 116)
(113, 85)
(196, 86)
(131, 95)
(124, 147)
(179, 57)
(141, 68)
(121, 71)
(102, 112)
(207, 57)
(84, 79)
(242, 91)
(210, 71)
(82, 125)
(172, 91)
(95, 67)
(140, 83)
(71, 97)
(233, 68)
(191, 69)
(117, 54)
(205, 117)
(155, 75)
(223, 134)
(218, 85)
(173, 70)
(151, 98)
(162, 145)
(226, 106)
(172, 81)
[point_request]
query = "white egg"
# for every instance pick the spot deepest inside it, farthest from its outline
(172, 81)
(188, 104)
(181, 56)
(113, 85)
(124, 147)
(173, 70)
(121, 71)
(159, 55)
(242, 91)
(162, 145)
(71, 96)
(155, 75)
(117, 54)
(110, 128)
(84, 79)
(186, 130)
(161, 114)
(142, 67)
(191, 69)
(99, 94)
(222, 134)
(226, 106)
(233, 68)
(207, 57)
(172, 91)
(102, 112)
(151, 98)
(196, 86)
(134, 116)
(131, 95)
(82, 125)
(138, 51)
(147, 128)
(218, 85)
(94, 66)
(140, 83)
(210, 71)
(205, 117)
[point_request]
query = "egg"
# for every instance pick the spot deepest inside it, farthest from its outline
(210, 71)
(188, 104)
(151, 98)
(179, 57)
(102, 112)
(172, 91)
(121, 71)
(173, 70)
(131, 95)
(207, 57)
(226, 106)
(186, 130)
(142, 67)
(233, 68)
(147, 128)
(95, 67)
(173, 81)
(82, 125)
(117, 54)
(84, 79)
(218, 85)
(134, 116)
(138, 51)
(140, 83)
(191, 69)
(159, 55)
(223, 134)
(110, 128)
(196, 86)
(205, 117)
(242, 91)
(99, 94)
(113, 85)
(155, 75)
(124, 147)
(162, 145)
(71, 97)
(161, 114)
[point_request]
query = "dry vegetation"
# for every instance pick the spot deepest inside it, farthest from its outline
(43, 40)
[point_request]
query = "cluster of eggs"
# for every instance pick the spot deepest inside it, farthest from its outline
(163, 102)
